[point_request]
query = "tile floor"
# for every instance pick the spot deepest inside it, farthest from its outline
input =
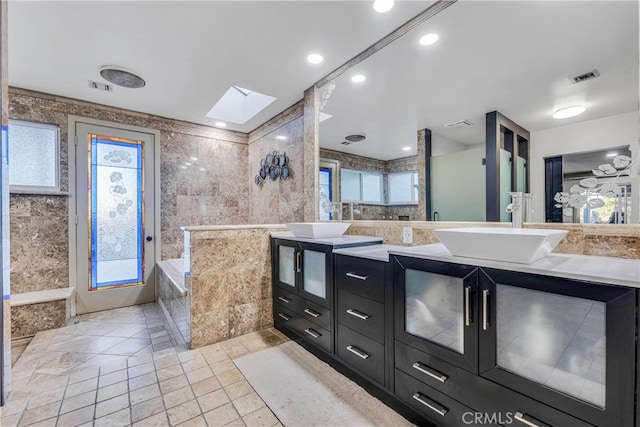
(121, 368)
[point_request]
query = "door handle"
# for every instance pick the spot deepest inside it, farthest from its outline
(298, 262)
(149, 238)
(485, 309)
(467, 306)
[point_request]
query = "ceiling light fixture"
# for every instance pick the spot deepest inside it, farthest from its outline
(221, 124)
(406, 148)
(121, 77)
(358, 78)
(565, 113)
(281, 137)
(428, 39)
(382, 6)
(315, 58)
(612, 154)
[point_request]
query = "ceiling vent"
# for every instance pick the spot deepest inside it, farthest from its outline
(579, 78)
(459, 124)
(354, 138)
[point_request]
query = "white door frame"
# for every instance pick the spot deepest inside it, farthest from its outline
(72, 141)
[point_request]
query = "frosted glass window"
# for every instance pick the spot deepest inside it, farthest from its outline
(360, 186)
(403, 187)
(555, 340)
(434, 308)
(314, 280)
(286, 272)
(115, 192)
(33, 156)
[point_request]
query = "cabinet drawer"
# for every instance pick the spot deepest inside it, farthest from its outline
(477, 392)
(306, 329)
(315, 313)
(361, 276)
(362, 315)
(362, 353)
(441, 409)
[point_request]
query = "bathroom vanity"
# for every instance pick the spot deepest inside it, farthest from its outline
(462, 340)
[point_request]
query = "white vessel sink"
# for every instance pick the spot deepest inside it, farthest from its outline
(518, 245)
(318, 230)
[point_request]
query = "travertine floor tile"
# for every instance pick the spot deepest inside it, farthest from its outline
(248, 403)
(158, 420)
(45, 398)
(112, 378)
(113, 390)
(81, 387)
(177, 397)
(112, 405)
(77, 417)
(183, 412)
(194, 422)
(199, 374)
(262, 417)
(79, 401)
(40, 413)
(238, 389)
(169, 372)
(205, 386)
(144, 393)
(213, 400)
(146, 409)
(172, 384)
(142, 381)
(229, 377)
(117, 419)
(222, 415)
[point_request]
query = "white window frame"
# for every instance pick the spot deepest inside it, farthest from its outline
(360, 173)
(37, 189)
(415, 177)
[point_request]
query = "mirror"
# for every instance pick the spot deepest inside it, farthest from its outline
(519, 59)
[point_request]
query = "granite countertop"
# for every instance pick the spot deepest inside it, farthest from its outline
(336, 242)
(614, 271)
(375, 252)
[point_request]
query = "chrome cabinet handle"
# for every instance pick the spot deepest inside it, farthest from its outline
(438, 409)
(284, 316)
(430, 371)
(485, 309)
(358, 314)
(529, 421)
(355, 350)
(284, 300)
(298, 262)
(311, 312)
(467, 307)
(312, 332)
(357, 276)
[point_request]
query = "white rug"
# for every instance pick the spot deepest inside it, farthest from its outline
(304, 391)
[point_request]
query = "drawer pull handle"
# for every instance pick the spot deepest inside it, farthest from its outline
(284, 316)
(438, 409)
(358, 314)
(284, 300)
(355, 350)
(311, 312)
(430, 371)
(357, 276)
(529, 421)
(313, 333)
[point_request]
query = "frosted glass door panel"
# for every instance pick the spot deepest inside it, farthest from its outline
(458, 186)
(505, 184)
(522, 174)
(434, 308)
(314, 280)
(555, 340)
(286, 271)
(116, 226)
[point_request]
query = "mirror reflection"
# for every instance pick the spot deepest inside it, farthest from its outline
(426, 107)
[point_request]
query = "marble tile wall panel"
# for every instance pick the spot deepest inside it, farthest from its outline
(217, 195)
(39, 243)
(230, 283)
(278, 201)
(611, 240)
(27, 320)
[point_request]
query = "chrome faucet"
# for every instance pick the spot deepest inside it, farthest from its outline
(519, 208)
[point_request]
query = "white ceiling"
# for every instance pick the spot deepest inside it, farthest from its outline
(513, 57)
(190, 53)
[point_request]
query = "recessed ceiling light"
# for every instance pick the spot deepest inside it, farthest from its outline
(195, 159)
(281, 137)
(382, 6)
(221, 124)
(612, 154)
(315, 58)
(428, 39)
(188, 164)
(406, 148)
(358, 78)
(565, 113)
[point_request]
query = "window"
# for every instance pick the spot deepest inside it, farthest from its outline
(361, 186)
(403, 188)
(33, 156)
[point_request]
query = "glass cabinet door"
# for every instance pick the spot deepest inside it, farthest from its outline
(286, 271)
(314, 274)
(566, 343)
(434, 306)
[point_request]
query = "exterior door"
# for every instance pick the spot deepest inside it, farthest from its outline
(115, 252)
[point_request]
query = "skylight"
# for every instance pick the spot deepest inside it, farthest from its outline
(239, 105)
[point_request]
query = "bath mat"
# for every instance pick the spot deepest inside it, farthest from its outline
(304, 391)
